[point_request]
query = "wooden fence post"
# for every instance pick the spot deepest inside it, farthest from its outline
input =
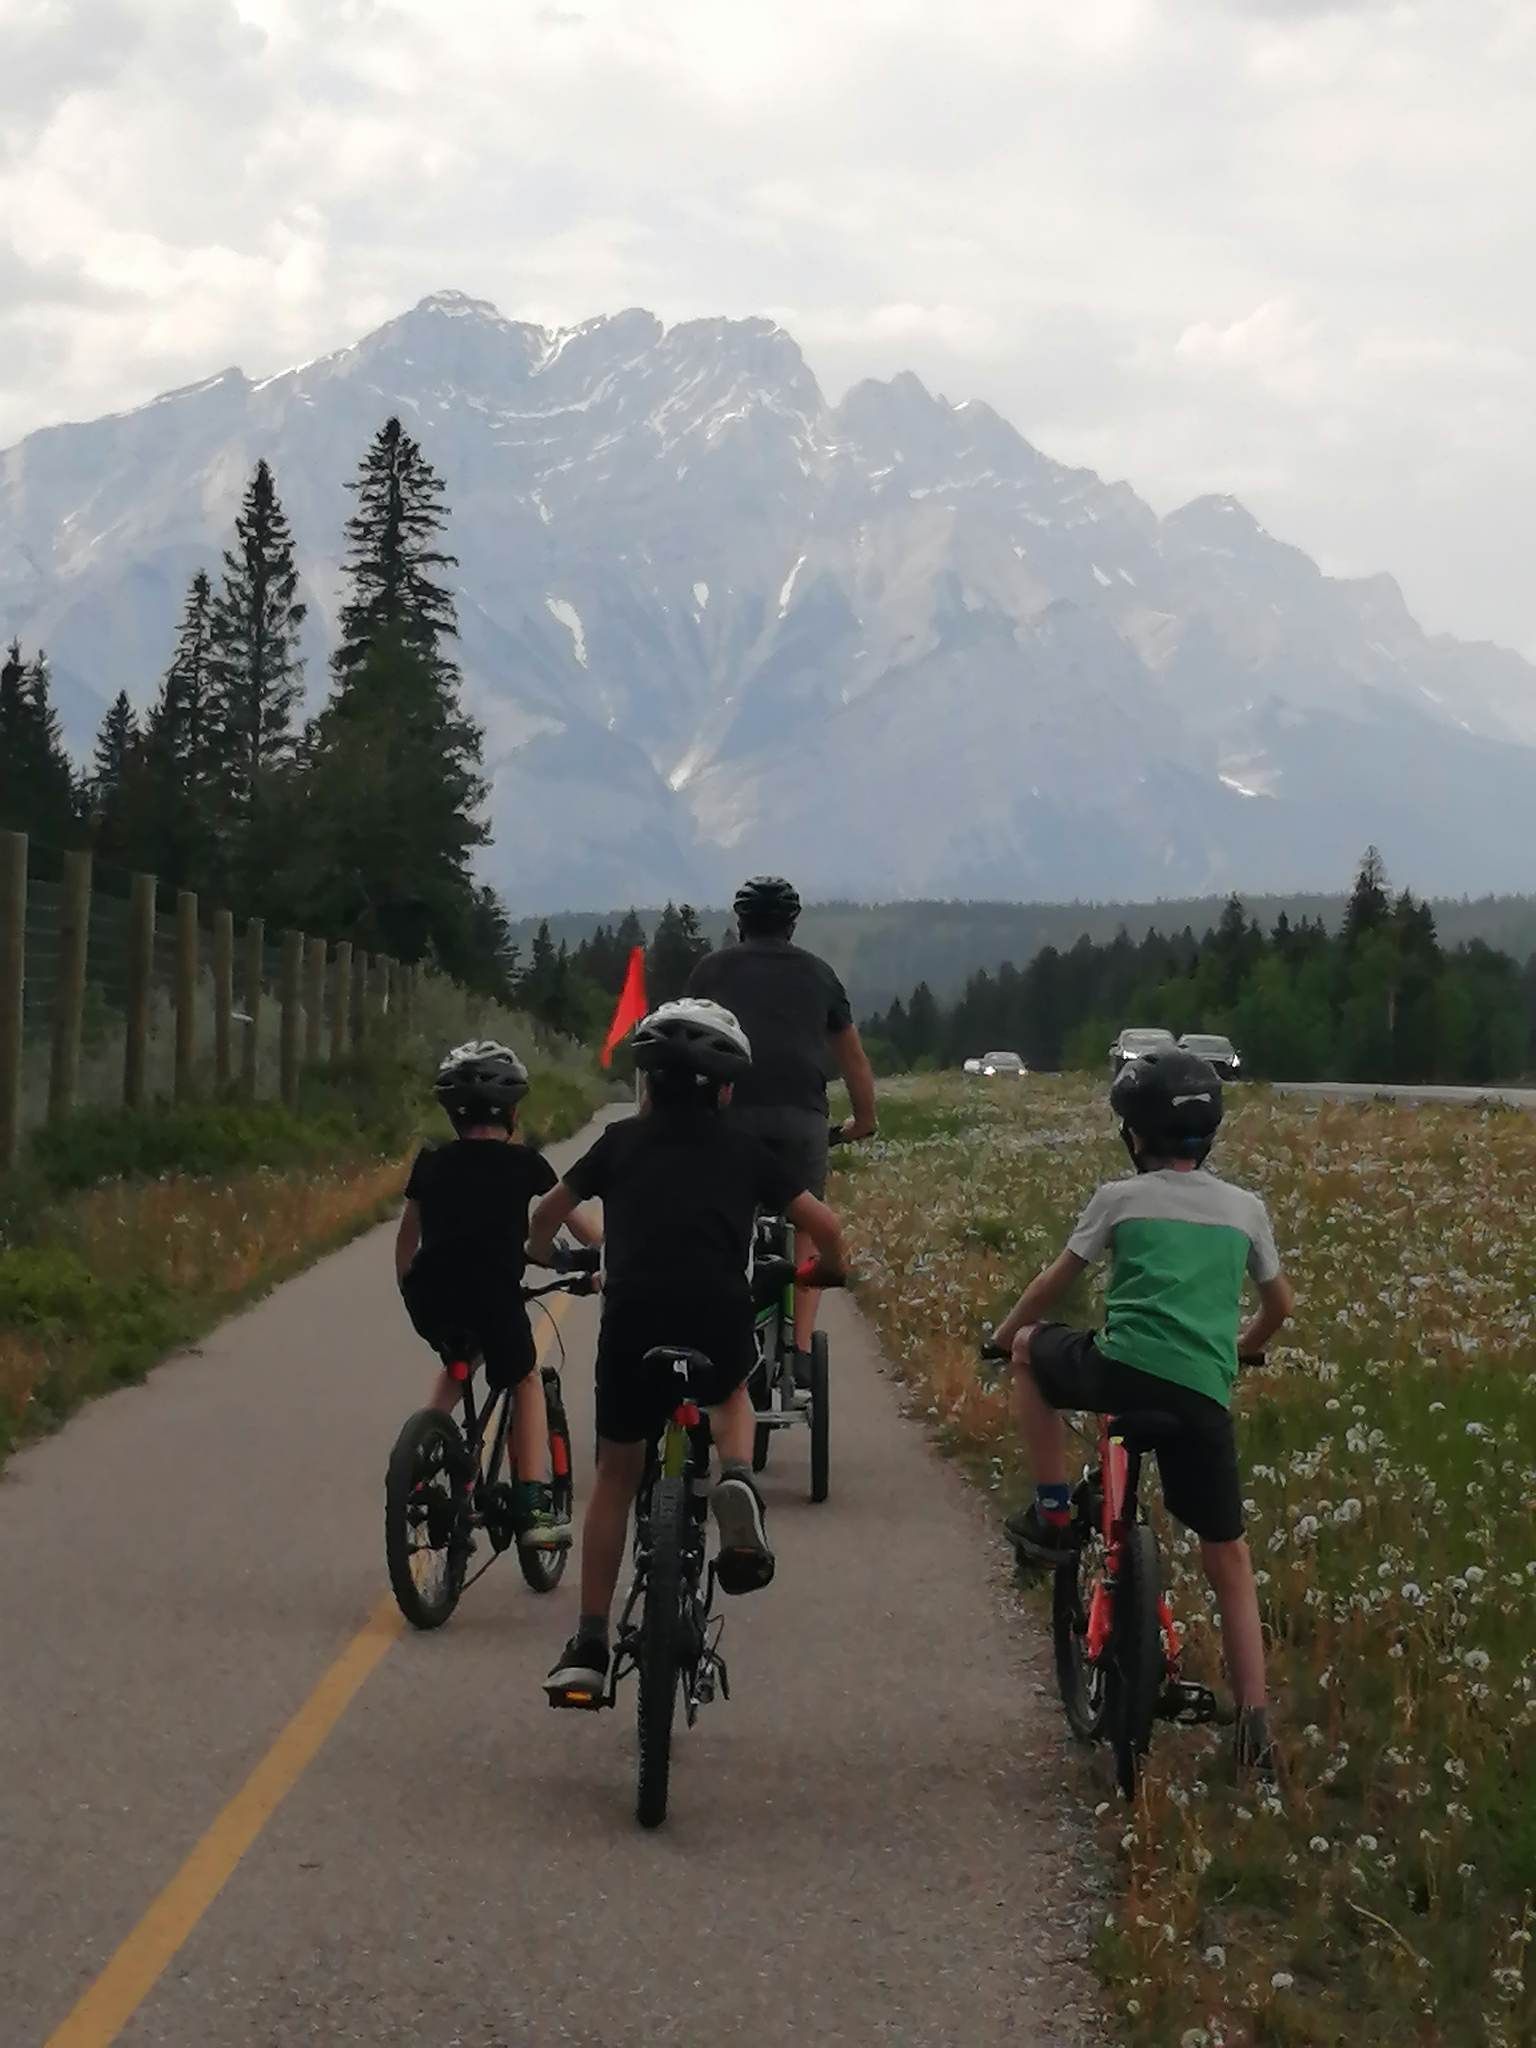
(186, 993)
(69, 989)
(314, 1001)
(359, 1000)
(290, 992)
(141, 973)
(13, 988)
(379, 1018)
(223, 994)
(407, 998)
(255, 964)
(341, 996)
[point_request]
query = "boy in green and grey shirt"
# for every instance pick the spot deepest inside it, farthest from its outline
(1180, 1244)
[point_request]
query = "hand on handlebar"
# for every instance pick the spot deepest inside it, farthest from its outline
(850, 1132)
(814, 1273)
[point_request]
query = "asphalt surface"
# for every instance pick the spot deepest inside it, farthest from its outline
(876, 1840)
(1366, 1091)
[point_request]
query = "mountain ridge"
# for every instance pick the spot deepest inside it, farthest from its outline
(711, 621)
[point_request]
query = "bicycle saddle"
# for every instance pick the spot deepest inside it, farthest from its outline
(1143, 1429)
(677, 1359)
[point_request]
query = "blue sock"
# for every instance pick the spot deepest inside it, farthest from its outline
(1054, 1502)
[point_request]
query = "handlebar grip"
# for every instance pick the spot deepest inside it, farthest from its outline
(993, 1354)
(577, 1258)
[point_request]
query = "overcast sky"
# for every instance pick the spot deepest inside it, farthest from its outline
(1277, 247)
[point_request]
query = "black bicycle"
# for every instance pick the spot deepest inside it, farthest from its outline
(668, 1632)
(444, 1485)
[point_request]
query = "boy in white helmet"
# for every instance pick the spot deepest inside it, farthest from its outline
(680, 1189)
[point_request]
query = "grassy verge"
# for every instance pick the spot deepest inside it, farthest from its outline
(126, 1235)
(1390, 1464)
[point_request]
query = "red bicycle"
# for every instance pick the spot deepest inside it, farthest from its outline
(1118, 1658)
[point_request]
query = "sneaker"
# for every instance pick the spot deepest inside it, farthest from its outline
(744, 1561)
(544, 1531)
(580, 1678)
(802, 1369)
(1037, 1541)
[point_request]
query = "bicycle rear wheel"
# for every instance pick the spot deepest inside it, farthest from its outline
(1080, 1683)
(1135, 1674)
(821, 1419)
(544, 1569)
(660, 1628)
(426, 1533)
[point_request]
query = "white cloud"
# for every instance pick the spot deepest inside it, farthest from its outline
(1276, 246)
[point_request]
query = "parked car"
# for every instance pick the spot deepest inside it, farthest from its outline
(1137, 1039)
(998, 1063)
(1217, 1051)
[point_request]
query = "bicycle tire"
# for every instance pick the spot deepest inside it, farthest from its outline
(660, 1626)
(1080, 1683)
(429, 1446)
(543, 1570)
(760, 1394)
(1135, 1674)
(821, 1417)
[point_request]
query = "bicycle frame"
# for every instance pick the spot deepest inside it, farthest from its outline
(1119, 1510)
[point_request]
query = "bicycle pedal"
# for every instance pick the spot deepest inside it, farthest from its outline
(583, 1702)
(1193, 1706)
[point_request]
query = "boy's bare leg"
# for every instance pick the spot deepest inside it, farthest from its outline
(807, 1299)
(733, 1425)
(530, 1429)
(620, 1468)
(1041, 1430)
(1229, 1569)
(445, 1393)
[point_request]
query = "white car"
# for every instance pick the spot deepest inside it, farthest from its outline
(998, 1063)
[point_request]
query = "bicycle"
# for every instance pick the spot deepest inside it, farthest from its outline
(443, 1483)
(668, 1633)
(1116, 1643)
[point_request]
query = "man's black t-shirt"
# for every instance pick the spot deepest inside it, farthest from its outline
(787, 1002)
(476, 1193)
(679, 1191)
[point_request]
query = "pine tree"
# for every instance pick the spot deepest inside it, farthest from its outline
(254, 667)
(181, 750)
(112, 786)
(1368, 910)
(676, 949)
(394, 561)
(37, 783)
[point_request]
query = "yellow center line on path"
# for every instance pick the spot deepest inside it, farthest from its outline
(135, 1969)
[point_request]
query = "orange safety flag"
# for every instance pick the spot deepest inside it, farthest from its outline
(632, 1005)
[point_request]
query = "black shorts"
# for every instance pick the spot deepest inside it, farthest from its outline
(632, 1404)
(1202, 1487)
(466, 1309)
(797, 1138)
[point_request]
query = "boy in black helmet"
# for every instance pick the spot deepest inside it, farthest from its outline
(1180, 1244)
(680, 1187)
(459, 1258)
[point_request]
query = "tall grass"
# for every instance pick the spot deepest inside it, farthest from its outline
(1390, 1460)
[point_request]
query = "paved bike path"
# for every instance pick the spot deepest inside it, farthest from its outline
(857, 1843)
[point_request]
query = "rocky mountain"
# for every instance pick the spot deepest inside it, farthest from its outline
(712, 623)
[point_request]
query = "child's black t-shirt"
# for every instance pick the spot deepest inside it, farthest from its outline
(475, 1193)
(679, 1191)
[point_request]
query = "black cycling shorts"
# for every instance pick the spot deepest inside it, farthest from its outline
(1202, 1487)
(797, 1138)
(466, 1309)
(633, 1404)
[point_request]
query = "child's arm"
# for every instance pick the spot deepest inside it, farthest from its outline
(584, 1227)
(550, 1212)
(1039, 1297)
(1276, 1301)
(823, 1226)
(407, 1239)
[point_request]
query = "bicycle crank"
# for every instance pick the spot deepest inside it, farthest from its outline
(1191, 1705)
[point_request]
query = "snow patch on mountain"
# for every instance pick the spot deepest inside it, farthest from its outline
(562, 609)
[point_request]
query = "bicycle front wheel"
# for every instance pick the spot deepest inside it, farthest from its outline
(544, 1569)
(1080, 1683)
(660, 1632)
(821, 1418)
(1135, 1674)
(426, 1518)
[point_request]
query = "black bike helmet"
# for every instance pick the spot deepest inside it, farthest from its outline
(480, 1082)
(767, 900)
(1171, 1101)
(695, 1037)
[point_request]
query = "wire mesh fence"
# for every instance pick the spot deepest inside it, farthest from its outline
(115, 988)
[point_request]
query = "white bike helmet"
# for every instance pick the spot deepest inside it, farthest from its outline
(693, 1036)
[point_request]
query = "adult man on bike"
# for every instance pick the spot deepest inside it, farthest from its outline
(795, 1011)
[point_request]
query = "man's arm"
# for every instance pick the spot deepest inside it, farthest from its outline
(859, 1078)
(824, 1228)
(548, 1215)
(1276, 1301)
(407, 1239)
(1039, 1297)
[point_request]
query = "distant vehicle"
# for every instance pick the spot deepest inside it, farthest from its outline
(998, 1063)
(1136, 1040)
(1216, 1051)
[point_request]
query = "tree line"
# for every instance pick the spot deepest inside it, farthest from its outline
(1380, 1000)
(574, 988)
(358, 822)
